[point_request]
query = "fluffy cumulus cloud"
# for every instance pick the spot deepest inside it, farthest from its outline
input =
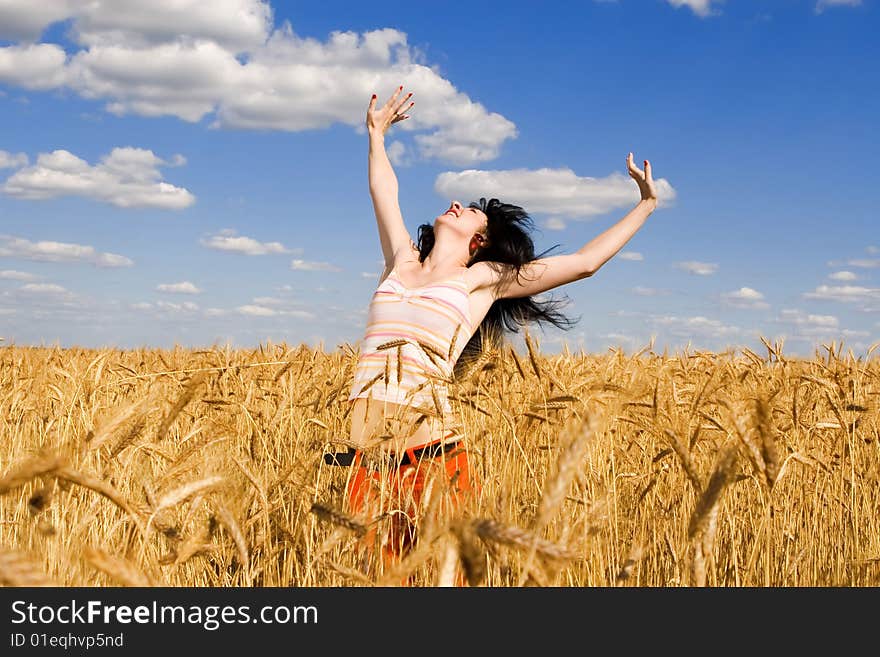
(866, 263)
(844, 293)
(43, 288)
(49, 251)
(843, 276)
(13, 275)
(702, 8)
(863, 263)
(166, 307)
(256, 310)
(126, 177)
(698, 326)
(228, 240)
(800, 318)
(745, 297)
(41, 296)
(12, 160)
(807, 327)
(631, 255)
(697, 268)
(228, 62)
(310, 265)
(560, 193)
(184, 287)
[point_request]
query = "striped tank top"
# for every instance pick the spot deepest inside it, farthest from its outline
(413, 338)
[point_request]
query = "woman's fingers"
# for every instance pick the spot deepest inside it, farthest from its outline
(394, 96)
(647, 170)
(633, 169)
(631, 163)
(399, 107)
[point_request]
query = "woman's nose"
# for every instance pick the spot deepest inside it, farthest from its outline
(456, 205)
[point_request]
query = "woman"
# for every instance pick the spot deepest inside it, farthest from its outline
(472, 274)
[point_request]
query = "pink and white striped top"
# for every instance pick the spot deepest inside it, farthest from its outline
(413, 338)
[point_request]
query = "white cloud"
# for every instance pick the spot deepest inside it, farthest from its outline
(822, 5)
(184, 287)
(43, 288)
(12, 275)
(698, 326)
(257, 311)
(186, 306)
(825, 332)
(698, 268)
(630, 255)
(126, 177)
(396, 151)
(874, 250)
(800, 318)
(554, 223)
(648, 291)
(240, 24)
(308, 265)
(12, 160)
(270, 301)
(557, 192)
(745, 297)
(843, 276)
(845, 293)
(112, 260)
(867, 263)
(817, 329)
(48, 251)
(34, 66)
(623, 340)
(228, 240)
(702, 8)
(226, 59)
(26, 20)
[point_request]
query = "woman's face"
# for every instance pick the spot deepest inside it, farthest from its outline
(466, 221)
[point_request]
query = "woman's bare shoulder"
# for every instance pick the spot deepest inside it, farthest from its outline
(484, 275)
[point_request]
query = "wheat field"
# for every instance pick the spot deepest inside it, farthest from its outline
(191, 468)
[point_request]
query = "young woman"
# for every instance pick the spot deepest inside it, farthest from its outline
(472, 274)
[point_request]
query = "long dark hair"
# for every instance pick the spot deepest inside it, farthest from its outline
(510, 246)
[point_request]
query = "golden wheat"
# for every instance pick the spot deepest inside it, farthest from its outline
(654, 469)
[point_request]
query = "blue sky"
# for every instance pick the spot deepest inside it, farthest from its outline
(193, 173)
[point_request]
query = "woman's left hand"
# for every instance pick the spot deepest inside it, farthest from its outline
(643, 179)
(379, 120)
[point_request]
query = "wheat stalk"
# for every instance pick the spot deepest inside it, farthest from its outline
(189, 391)
(17, 568)
(118, 568)
(37, 466)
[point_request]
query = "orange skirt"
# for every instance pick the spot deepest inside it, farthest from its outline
(400, 490)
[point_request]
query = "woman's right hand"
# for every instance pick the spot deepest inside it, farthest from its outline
(379, 120)
(644, 179)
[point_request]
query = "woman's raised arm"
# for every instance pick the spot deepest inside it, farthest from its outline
(546, 273)
(393, 235)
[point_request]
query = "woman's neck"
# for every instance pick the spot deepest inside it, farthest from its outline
(445, 256)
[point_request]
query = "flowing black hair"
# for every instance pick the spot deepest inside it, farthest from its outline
(509, 243)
